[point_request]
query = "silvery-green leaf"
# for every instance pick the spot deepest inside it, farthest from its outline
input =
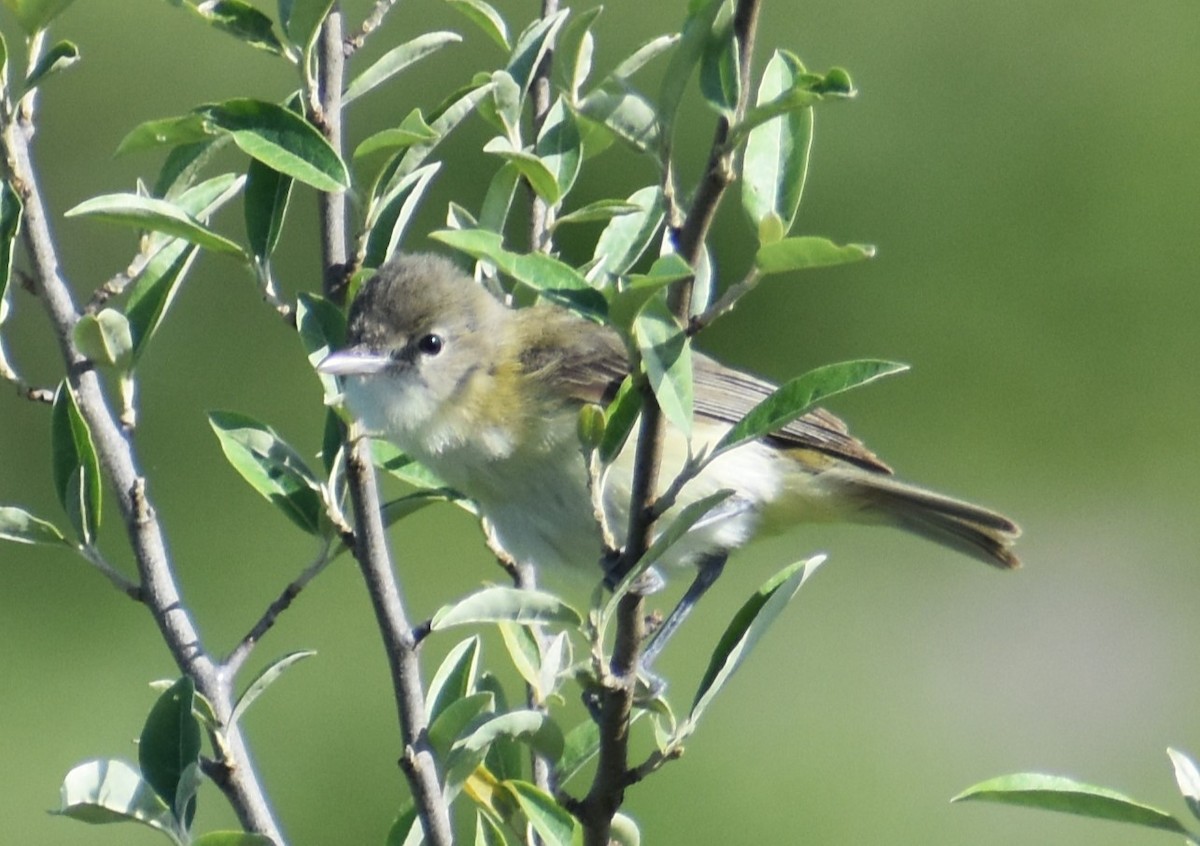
(807, 251)
(484, 16)
(395, 60)
(19, 526)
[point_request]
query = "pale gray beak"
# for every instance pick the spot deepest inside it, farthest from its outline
(353, 362)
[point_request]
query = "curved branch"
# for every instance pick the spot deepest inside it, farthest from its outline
(157, 589)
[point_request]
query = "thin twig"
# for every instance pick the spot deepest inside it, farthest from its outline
(119, 580)
(372, 23)
(159, 591)
(541, 213)
(370, 543)
(237, 658)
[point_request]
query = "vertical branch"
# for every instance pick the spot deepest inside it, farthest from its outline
(604, 798)
(158, 589)
(541, 215)
(370, 547)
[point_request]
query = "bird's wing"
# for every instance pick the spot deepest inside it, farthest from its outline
(587, 362)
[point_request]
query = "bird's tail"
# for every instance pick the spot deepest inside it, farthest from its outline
(975, 531)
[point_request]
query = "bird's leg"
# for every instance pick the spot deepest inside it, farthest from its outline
(707, 572)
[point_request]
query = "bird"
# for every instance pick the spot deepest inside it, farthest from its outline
(487, 397)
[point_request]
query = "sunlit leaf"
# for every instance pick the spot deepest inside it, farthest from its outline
(302, 19)
(720, 80)
(666, 353)
(805, 252)
(109, 791)
(453, 720)
(597, 210)
(540, 178)
(239, 19)
(627, 236)
(266, 677)
(792, 399)
(532, 45)
(553, 823)
(484, 16)
(497, 604)
(558, 147)
(271, 467)
(746, 628)
(105, 338)
(395, 60)
(455, 677)
(157, 216)
(1066, 795)
(19, 526)
(166, 132)
(1187, 777)
(624, 113)
(775, 162)
(539, 731)
(412, 130)
(391, 216)
(694, 38)
(10, 225)
(280, 139)
(642, 56)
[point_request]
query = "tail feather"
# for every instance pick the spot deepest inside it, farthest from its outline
(971, 529)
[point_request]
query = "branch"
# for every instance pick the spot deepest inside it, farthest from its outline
(237, 658)
(158, 589)
(370, 547)
(541, 215)
(612, 774)
(373, 22)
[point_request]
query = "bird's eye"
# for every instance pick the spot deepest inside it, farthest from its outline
(430, 344)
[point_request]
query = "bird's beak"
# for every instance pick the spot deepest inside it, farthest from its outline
(353, 361)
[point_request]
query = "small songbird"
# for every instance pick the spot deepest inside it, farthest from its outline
(488, 397)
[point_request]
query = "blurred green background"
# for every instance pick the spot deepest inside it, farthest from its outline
(1029, 171)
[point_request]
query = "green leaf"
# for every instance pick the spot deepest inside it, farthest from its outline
(540, 178)
(619, 417)
(455, 677)
(487, 833)
(627, 236)
(302, 19)
(792, 399)
(666, 353)
(412, 130)
(533, 728)
(688, 517)
(449, 114)
(693, 39)
(267, 677)
(266, 202)
(391, 216)
(170, 741)
(573, 54)
(543, 274)
(775, 163)
(406, 823)
(598, 210)
(628, 302)
(232, 838)
(720, 79)
(109, 791)
(322, 329)
(744, 630)
(640, 57)
(19, 526)
(34, 15)
(105, 338)
(624, 113)
(1187, 776)
(553, 823)
(183, 165)
(280, 139)
(579, 746)
(505, 604)
(58, 58)
(10, 225)
(807, 89)
(272, 468)
(497, 202)
(532, 45)
(396, 60)
(805, 252)
(405, 468)
(75, 465)
(241, 20)
(505, 758)
(1066, 795)
(453, 720)
(157, 216)
(484, 16)
(559, 147)
(154, 289)
(523, 648)
(166, 132)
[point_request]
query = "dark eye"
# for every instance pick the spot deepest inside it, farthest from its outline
(430, 344)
